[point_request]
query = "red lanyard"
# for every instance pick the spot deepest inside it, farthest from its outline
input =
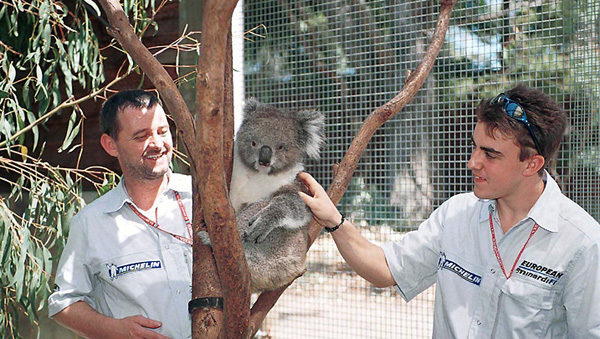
(533, 230)
(188, 223)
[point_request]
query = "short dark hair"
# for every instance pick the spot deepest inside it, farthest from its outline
(548, 121)
(136, 98)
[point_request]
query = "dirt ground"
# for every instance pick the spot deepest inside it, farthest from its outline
(330, 301)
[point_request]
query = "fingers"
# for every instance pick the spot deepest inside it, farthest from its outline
(307, 198)
(315, 188)
(141, 327)
(146, 322)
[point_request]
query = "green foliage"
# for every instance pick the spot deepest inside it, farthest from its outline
(46, 50)
(49, 54)
(34, 223)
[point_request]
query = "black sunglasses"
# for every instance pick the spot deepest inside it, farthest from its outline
(514, 110)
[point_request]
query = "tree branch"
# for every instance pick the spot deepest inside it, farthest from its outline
(378, 117)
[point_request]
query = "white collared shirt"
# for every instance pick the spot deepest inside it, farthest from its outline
(122, 267)
(554, 291)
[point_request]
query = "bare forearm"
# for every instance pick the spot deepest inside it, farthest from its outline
(84, 320)
(366, 258)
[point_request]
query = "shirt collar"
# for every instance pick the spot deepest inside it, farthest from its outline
(545, 210)
(118, 196)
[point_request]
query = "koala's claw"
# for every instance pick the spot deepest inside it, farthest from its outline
(258, 231)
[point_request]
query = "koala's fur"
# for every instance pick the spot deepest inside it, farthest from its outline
(270, 148)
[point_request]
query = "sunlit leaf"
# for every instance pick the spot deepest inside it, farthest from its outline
(72, 130)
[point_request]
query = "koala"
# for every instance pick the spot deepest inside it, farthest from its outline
(269, 151)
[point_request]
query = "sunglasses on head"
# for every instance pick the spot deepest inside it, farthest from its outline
(514, 110)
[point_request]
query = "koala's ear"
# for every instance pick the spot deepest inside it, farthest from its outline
(251, 108)
(312, 132)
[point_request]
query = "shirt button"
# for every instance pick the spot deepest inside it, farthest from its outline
(492, 271)
(478, 322)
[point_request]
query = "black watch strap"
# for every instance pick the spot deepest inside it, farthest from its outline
(332, 229)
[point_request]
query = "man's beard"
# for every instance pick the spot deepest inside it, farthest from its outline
(146, 173)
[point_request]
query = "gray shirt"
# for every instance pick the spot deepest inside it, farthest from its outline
(121, 266)
(554, 291)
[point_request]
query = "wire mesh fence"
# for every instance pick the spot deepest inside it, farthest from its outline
(346, 58)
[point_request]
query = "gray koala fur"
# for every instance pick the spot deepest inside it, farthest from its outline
(270, 148)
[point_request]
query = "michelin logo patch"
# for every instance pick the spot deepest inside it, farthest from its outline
(539, 272)
(115, 271)
(445, 264)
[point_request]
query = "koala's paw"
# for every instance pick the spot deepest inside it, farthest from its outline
(258, 230)
(204, 238)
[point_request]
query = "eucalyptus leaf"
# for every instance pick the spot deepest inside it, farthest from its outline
(93, 6)
(72, 130)
(12, 73)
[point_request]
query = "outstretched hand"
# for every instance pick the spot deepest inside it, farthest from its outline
(319, 203)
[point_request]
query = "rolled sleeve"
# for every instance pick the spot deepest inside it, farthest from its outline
(413, 259)
(73, 281)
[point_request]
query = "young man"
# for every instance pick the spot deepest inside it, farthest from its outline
(126, 268)
(513, 259)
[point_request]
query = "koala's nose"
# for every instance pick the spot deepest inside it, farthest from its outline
(264, 156)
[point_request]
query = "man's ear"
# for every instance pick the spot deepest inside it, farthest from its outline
(534, 164)
(109, 145)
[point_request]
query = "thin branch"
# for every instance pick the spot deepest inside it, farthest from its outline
(68, 103)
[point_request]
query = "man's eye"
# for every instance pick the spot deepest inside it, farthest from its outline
(490, 155)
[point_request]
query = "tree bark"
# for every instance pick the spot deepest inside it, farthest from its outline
(378, 117)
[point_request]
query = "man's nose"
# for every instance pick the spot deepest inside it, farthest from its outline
(474, 162)
(156, 141)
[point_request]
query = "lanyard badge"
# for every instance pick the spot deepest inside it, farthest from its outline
(188, 223)
(497, 253)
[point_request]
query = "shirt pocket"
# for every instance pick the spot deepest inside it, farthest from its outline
(532, 308)
(531, 296)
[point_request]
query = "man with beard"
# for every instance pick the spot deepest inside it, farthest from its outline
(513, 259)
(126, 268)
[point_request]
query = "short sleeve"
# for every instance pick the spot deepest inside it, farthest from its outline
(413, 260)
(73, 281)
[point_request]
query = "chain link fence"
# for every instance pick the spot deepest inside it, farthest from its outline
(346, 58)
